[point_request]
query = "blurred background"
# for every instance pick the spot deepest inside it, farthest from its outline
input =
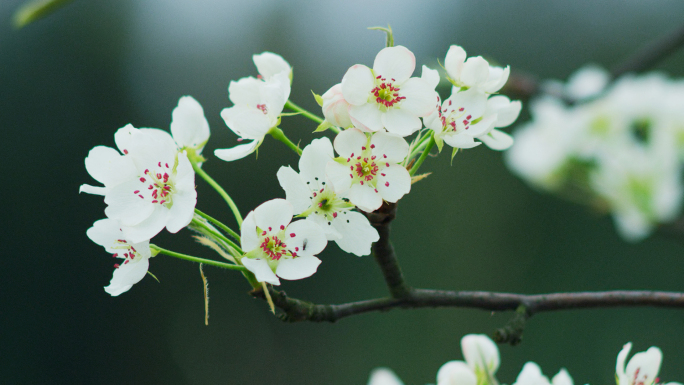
(70, 80)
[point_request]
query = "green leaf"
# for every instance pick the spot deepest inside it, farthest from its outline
(440, 143)
(35, 10)
(388, 31)
(153, 276)
(319, 98)
(453, 154)
(323, 126)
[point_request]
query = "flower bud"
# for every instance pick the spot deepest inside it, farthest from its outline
(335, 108)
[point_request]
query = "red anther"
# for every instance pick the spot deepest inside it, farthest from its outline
(469, 117)
(352, 155)
(321, 190)
(461, 109)
(126, 261)
(467, 127)
(387, 164)
(142, 179)
(373, 157)
(351, 167)
(146, 171)
(384, 156)
(383, 174)
(259, 77)
(282, 227)
(115, 255)
(154, 201)
(161, 202)
(159, 164)
(376, 190)
(372, 146)
(141, 197)
(154, 193)
(361, 183)
(292, 235)
(334, 215)
(116, 265)
(348, 159)
(358, 157)
(159, 176)
(296, 248)
(166, 177)
(167, 188)
(263, 233)
(363, 148)
(166, 164)
(386, 184)
(449, 102)
(395, 94)
(315, 194)
(136, 191)
(351, 176)
(465, 122)
(393, 80)
(378, 77)
(125, 152)
(270, 228)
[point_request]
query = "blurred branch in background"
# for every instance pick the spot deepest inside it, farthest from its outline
(35, 10)
(525, 85)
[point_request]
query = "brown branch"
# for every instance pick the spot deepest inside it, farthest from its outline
(295, 310)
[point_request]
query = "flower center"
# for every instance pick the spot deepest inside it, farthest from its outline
(273, 245)
(129, 253)
(385, 93)
(454, 120)
(158, 186)
(366, 167)
(263, 108)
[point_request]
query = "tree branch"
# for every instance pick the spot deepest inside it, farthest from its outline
(295, 310)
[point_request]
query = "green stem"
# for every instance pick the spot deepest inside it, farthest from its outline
(190, 258)
(218, 235)
(277, 133)
(218, 223)
(424, 155)
(308, 114)
(419, 146)
(220, 190)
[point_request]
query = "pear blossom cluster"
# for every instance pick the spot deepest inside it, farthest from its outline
(618, 148)
(482, 360)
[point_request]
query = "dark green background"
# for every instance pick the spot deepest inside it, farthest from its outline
(69, 81)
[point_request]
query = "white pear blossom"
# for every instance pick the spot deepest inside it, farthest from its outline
(642, 368)
(481, 363)
(531, 374)
(475, 72)
(189, 127)
(383, 376)
(312, 195)
(277, 248)
(258, 103)
(387, 96)
(107, 233)
(335, 108)
(367, 170)
(151, 185)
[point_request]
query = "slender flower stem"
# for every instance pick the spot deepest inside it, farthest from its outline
(278, 134)
(424, 155)
(418, 147)
(217, 235)
(308, 114)
(218, 223)
(220, 190)
(190, 258)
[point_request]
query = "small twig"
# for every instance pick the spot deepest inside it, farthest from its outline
(512, 333)
(650, 54)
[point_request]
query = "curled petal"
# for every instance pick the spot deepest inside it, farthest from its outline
(261, 270)
(189, 127)
(497, 78)
(507, 111)
(430, 77)
(238, 152)
(269, 64)
(497, 140)
(127, 275)
(453, 63)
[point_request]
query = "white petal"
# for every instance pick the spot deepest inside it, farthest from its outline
(475, 71)
(473, 101)
(330, 232)
(383, 376)
(314, 159)
(338, 175)
(148, 228)
(297, 268)
(507, 112)
(365, 197)
(395, 64)
(335, 108)
(123, 138)
(430, 77)
(105, 232)
(497, 140)
(562, 378)
(248, 122)
(238, 152)
(88, 189)
(126, 206)
(245, 91)
(184, 197)
(307, 236)
(275, 93)
(269, 64)
(150, 146)
(388, 147)
(480, 352)
(127, 275)
(357, 233)
(108, 166)
(395, 183)
(357, 84)
(401, 122)
(189, 127)
(456, 373)
(483, 127)
(531, 374)
(621, 359)
(349, 142)
(460, 140)
(261, 270)
(274, 214)
(296, 191)
(420, 97)
(453, 63)
(497, 78)
(647, 364)
(248, 233)
(368, 116)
